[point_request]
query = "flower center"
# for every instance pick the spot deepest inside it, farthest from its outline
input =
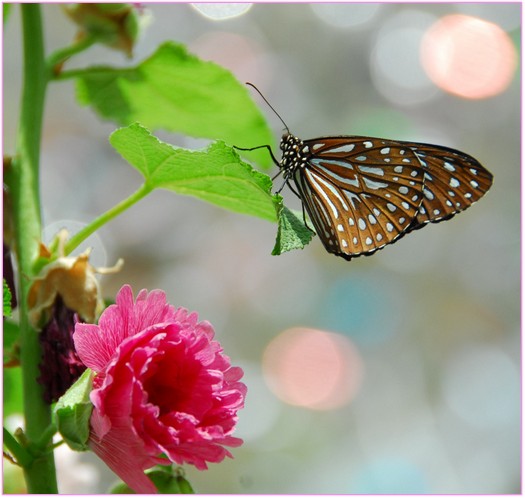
(174, 382)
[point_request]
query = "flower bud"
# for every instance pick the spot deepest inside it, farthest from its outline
(60, 366)
(115, 25)
(65, 293)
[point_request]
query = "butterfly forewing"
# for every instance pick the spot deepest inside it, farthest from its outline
(360, 194)
(363, 193)
(453, 182)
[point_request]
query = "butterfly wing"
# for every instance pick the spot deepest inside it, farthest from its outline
(360, 193)
(453, 182)
(363, 193)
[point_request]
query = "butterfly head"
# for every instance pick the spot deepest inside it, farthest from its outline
(295, 154)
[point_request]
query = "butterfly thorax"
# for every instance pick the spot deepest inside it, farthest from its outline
(295, 154)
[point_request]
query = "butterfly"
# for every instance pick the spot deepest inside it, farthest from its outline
(362, 193)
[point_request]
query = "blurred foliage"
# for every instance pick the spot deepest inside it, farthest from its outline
(13, 402)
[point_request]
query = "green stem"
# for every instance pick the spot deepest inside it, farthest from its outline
(21, 455)
(22, 179)
(46, 439)
(72, 74)
(61, 55)
(88, 230)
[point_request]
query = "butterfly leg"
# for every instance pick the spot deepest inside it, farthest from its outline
(259, 147)
(302, 204)
(305, 221)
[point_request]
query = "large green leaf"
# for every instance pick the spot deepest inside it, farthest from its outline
(176, 91)
(216, 174)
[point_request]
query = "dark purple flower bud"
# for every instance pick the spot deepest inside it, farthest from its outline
(60, 366)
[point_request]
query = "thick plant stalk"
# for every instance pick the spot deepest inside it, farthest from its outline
(23, 182)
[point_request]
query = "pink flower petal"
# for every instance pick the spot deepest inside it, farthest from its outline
(125, 456)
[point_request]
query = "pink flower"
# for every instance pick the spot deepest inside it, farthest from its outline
(162, 386)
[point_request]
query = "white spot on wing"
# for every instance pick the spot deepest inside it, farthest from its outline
(373, 171)
(371, 184)
(342, 148)
(428, 194)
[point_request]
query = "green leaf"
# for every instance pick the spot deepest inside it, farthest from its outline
(176, 91)
(166, 480)
(7, 299)
(215, 174)
(292, 233)
(73, 411)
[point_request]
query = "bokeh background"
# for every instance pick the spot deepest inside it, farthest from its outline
(398, 373)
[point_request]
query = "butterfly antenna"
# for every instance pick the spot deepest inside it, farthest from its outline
(268, 104)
